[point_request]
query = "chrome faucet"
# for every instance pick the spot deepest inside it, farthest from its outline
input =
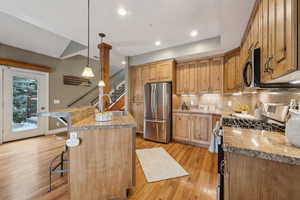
(101, 95)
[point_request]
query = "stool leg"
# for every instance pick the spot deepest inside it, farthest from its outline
(50, 180)
(62, 164)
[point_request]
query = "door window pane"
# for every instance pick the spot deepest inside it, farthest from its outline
(24, 104)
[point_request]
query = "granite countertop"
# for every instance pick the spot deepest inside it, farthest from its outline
(261, 144)
(195, 111)
(117, 122)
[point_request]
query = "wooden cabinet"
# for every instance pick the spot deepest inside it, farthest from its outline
(273, 28)
(199, 77)
(179, 78)
(251, 178)
(232, 73)
(136, 85)
(192, 78)
(153, 73)
(194, 129)
(160, 71)
(203, 76)
(216, 75)
(200, 129)
(137, 111)
(181, 127)
(145, 73)
(165, 70)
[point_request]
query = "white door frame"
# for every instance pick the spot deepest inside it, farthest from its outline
(6, 69)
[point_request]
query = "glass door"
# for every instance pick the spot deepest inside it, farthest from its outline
(25, 96)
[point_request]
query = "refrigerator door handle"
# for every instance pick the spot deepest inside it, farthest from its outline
(151, 98)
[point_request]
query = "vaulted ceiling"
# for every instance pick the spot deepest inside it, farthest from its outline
(48, 27)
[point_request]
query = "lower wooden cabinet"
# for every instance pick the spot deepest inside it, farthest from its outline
(137, 111)
(250, 178)
(200, 129)
(181, 127)
(195, 129)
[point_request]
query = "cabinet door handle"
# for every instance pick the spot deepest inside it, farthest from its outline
(267, 67)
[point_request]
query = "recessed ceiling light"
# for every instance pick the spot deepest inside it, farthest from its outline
(122, 11)
(194, 33)
(157, 43)
(123, 62)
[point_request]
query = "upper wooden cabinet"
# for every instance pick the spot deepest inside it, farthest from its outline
(142, 74)
(232, 72)
(199, 77)
(165, 70)
(153, 72)
(273, 28)
(216, 75)
(136, 84)
(161, 71)
(203, 76)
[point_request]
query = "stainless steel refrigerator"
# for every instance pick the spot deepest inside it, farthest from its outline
(157, 112)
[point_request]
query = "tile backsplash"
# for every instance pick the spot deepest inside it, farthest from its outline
(228, 102)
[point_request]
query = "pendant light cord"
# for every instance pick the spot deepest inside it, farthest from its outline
(88, 57)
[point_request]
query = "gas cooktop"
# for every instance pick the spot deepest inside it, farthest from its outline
(252, 124)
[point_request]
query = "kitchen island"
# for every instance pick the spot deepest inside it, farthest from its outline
(260, 165)
(102, 166)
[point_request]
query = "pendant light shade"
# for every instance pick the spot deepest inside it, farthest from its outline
(101, 83)
(88, 71)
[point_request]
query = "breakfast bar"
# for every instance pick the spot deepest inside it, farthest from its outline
(102, 166)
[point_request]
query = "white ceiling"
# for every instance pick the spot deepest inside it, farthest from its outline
(169, 21)
(17, 33)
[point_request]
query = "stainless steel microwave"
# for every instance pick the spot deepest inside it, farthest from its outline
(252, 73)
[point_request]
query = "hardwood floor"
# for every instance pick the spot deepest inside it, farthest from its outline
(24, 172)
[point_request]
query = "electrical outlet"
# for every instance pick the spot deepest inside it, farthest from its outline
(56, 101)
(57, 124)
(229, 103)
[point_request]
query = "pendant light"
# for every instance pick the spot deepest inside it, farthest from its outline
(101, 83)
(88, 71)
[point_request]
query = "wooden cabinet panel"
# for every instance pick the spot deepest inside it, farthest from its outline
(137, 112)
(195, 129)
(203, 76)
(153, 73)
(132, 77)
(185, 78)
(139, 85)
(192, 78)
(179, 79)
(181, 127)
(232, 73)
(136, 88)
(267, 179)
(145, 74)
(284, 37)
(274, 28)
(216, 74)
(165, 70)
(200, 129)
